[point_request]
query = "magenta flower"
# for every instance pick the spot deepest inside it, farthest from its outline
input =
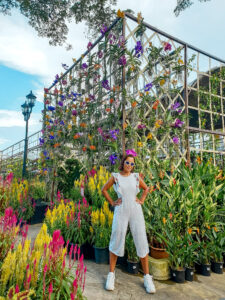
(141, 126)
(100, 54)
(175, 140)
(89, 45)
(84, 66)
(74, 112)
(167, 46)
(121, 41)
(131, 152)
(178, 123)
(105, 84)
(104, 29)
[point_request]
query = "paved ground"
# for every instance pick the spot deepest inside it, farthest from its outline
(131, 287)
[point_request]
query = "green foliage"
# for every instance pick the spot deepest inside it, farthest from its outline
(67, 174)
(183, 4)
(130, 248)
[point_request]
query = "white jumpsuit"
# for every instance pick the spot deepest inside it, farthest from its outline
(129, 211)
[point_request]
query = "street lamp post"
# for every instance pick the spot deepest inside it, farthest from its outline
(26, 110)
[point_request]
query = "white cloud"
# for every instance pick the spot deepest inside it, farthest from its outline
(11, 118)
(3, 141)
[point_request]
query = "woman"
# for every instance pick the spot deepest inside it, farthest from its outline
(128, 210)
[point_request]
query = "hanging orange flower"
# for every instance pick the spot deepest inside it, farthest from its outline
(155, 104)
(76, 136)
(84, 125)
(92, 147)
(170, 216)
(197, 230)
(116, 88)
(216, 230)
(134, 104)
(107, 109)
(189, 230)
(111, 101)
(84, 148)
(198, 160)
(164, 220)
(208, 227)
(56, 145)
(120, 14)
(125, 125)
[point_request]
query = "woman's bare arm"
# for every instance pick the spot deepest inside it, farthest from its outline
(105, 193)
(145, 188)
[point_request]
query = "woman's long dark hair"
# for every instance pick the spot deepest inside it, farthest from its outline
(123, 160)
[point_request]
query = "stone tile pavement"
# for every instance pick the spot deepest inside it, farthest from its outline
(130, 287)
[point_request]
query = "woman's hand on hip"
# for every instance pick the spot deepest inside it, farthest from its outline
(139, 201)
(117, 202)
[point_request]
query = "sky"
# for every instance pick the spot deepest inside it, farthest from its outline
(28, 62)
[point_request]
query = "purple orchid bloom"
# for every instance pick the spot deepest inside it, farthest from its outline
(60, 103)
(84, 66)
(175, 106)
(92, 97)
(89, 45)
(178, 123)
(64, 82)
(104, 29)
(121, 41)
(138, 49)
(114, 133)
(176, 140)
(65, 66)
(41, 140)
(147, 87)
(113, 158)
(122, 60)
(167, 47)
(100, 54)
(105, 85)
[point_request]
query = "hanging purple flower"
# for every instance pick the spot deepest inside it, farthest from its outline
(176, 140)
(114, 133)
(84, 66)
(63, 97)
(51, 137)
(75, 94)
(121, 41)
(62, 123)
(147, 87)
(50, 121)
(113, 158)
(138, 49)
(167, 46)
(122, 60)
(175, 106)
(178, 123)
(100, 53)
(64, 82)
(89, 45)
(51, 108)
(65, 66)
(103, 29)
(92, 97)
(141, 126)
(60, 103)
(45, 153)
(74, 112)
(105, 84)
(112, 38)
(57, 77)
(41, 140)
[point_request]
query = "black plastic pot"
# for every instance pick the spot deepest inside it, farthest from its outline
(122, 260)
(86, 249)
(189, 274)
(132, 267)
(178, 275)
(217, 267)
(224, 260)
(39, 212)
(206, 269)
(101, 255)
(198, 268)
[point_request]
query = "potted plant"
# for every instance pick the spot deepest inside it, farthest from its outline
(217, 250)
(175, 247)
(101, 220)
(205, 249)
(77, 229)
(190, 256)
(132, 258)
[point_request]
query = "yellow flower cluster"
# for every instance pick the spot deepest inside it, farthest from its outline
(102, 217)
(59, 213)
(95, 183)
(18, 190)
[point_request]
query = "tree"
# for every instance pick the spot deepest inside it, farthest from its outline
(183, 4)
(50, 17)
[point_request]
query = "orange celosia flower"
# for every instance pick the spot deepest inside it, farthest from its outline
(92, 147)
(161, 174)
(155, 104)
(111, 101)
(164, 220)
(84, 125)
(134, 104)
(189, 230)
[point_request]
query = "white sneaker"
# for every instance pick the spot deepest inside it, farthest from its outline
(110, 281)
(148, 284)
